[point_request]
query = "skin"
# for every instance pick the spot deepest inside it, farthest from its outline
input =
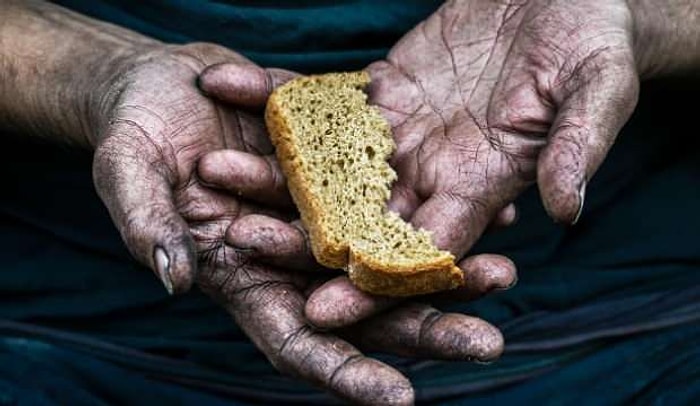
(158, 144)
(273, 241)
(510, 100)
(559, 139)
(510, 94)
(158, 156)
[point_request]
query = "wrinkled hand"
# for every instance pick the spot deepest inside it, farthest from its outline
(486, 97)
(161, 137)
(338, 302)
(156, 127)
(269, 303)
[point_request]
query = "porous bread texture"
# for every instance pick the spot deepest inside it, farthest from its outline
(333, 148)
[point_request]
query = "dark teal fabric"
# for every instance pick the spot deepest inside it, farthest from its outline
(605, 311)
(302, 35)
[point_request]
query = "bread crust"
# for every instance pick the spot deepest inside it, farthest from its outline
(325, 251)
(423, 278)
(365, 272)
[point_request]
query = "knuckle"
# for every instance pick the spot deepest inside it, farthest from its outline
(567, 152)
(338, 374)
(305, 239)
(294, 353)
(274, 173)
(425, 331)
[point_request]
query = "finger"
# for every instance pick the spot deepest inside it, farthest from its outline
(245, 132)
(517, 105)
(137, 191)
(593, 109)
(270, 310)
(253, 177)
(455, 220)
(419, 330)
(201, 205)
(506, 217)
(242, 84)
(339, 303)
(395, 106)
(404, 201)
(483, 274)
(273, 241)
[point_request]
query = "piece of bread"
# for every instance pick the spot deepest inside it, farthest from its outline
(333, 149)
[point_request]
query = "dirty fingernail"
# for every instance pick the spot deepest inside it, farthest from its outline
(162, 261)
(510, 285)
(581, 199)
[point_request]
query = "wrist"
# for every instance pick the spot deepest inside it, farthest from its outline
(55, 66)
(647, 46)
(101, 94)
(666, 36)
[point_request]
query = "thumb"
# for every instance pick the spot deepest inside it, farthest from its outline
(456, 220)
(245, 85)
(590, 116)
(138, 194)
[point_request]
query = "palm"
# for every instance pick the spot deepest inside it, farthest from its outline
(163, 125)
(472, 94)
(161, 138)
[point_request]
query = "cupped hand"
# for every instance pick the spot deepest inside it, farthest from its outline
(155, 127)
(338, 302)
(274, 241)
(487, 97)
(161, 135)
(268, 304)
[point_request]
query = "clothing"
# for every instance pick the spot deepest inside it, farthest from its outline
(606, 310)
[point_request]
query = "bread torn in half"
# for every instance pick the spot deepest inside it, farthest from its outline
(333, 148)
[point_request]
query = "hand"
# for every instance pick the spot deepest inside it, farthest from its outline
(137, 102)
(337, 303)
(154, 151)
(487, 97)
(272, 305)
(156, 128)
(269, 303)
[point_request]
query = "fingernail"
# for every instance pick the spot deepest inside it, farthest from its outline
(516, 218)
(510, 286)
(581, 199)
(162, 261)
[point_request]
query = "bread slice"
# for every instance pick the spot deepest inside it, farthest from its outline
(333, 149)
